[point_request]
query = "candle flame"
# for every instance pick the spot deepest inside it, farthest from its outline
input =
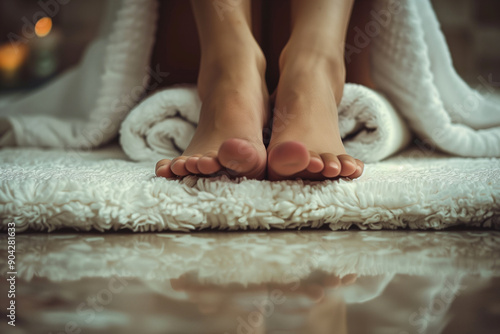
(43, 26)
(12, 56)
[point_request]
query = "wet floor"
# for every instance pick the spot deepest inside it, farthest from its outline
(274, 282)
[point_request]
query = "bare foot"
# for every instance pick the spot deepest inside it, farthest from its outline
(305, 141)
(234, 111)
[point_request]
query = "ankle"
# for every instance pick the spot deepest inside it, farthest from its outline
(306, 62)
(245, 63)
(227, 52)
(311, 57)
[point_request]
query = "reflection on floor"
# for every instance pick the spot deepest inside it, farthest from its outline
(276, 282)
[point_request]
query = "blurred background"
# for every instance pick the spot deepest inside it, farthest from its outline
(53, 34)
(472, 29)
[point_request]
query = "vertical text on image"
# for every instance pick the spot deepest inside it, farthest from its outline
(11, 274)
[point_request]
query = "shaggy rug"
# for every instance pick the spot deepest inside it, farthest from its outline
(46, 190)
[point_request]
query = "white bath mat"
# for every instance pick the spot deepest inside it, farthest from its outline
(46, 190)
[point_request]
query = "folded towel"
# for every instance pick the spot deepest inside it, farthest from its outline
(413, 67)
(162, 125)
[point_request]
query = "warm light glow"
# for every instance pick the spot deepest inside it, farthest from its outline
(12, 56)
(43, 26)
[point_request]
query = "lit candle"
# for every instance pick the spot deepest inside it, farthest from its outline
(12, 57)
(44, 47)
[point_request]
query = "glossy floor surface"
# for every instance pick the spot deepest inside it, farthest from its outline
(274, 282)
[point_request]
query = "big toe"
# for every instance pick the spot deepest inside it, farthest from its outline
(288, 158)
(238, 155)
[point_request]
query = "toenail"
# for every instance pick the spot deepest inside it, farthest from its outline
(358, 169)
(334, 165)
(171, 166)
(352, 164)
(162, 167)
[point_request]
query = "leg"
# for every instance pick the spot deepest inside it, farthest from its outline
(305, 141)
(235, 100)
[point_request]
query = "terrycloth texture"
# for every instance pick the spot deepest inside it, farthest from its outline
(162, 125)
(412, 66)
(47, 190)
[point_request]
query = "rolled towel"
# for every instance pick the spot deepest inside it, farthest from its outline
(163, 124)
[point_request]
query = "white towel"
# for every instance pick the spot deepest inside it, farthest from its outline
(413, 67)
(162, 125)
